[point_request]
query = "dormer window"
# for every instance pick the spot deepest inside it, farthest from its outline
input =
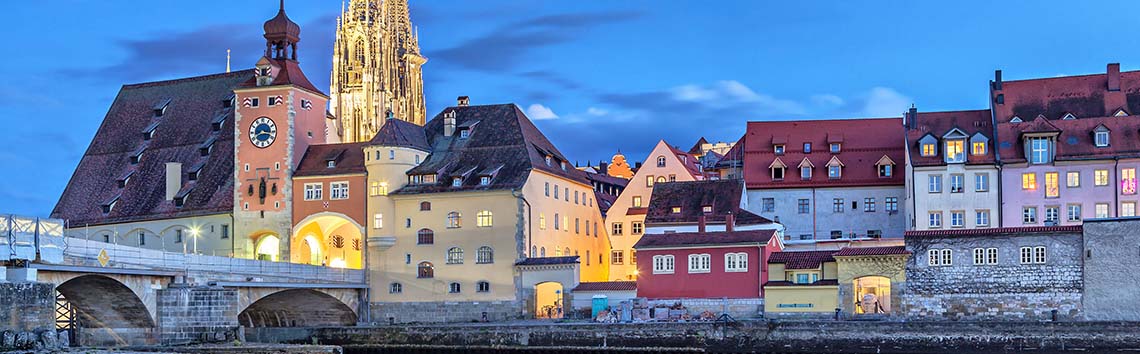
(978, 144)
(807, 148)
(548, 160)
(1068, 116)
(207, 147)
(1015, 119)
(928, 146)
(160, 108)
(109, 205)
(332, 164)
(1040, 150)
(457, 181)
(835, 148)
(125, 179)
(563, 165)
(676, 210)
(886, 167)
(707, 209)
(954, 149)
(465, 133)
(216, 124)
(778, 148)
(778, 169)
(484, 180)
(137, 157)
(1100, 136)
(834, 168)
(1120, 113)
(228, 101)
(805, 169)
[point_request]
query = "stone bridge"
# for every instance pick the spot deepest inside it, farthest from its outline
(113, 295)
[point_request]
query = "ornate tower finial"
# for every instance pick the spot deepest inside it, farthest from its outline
(281, 36)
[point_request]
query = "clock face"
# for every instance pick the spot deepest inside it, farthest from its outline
(262, 132)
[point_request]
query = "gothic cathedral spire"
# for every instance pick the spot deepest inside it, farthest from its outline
(376, 69)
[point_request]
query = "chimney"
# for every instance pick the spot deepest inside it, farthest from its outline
(997, 80)
(463, 101)
(701, 224)
(449, 123)
(173, 179)
(1114, 77)
(603, 168)
(637, 166)
(912, 117)
(729, 223)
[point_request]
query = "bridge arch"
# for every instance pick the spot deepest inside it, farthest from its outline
(275, 307)
(330, 239)
(108, 311)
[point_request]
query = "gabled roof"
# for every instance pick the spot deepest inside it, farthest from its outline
(1085, 96)
(400, 133)
(691, 162)
(1075, 140)
(865, 141)
(607, 286)
(505, 137)
(348, 158)
(935, 124)
(696, 149)
(724, 196)
(696, 239)
(287, 72)
(801, 259)
(194, 104)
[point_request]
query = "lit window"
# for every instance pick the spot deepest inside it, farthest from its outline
(675, 210)
(1073, 179)
(1052, 185)
(483, 218)
(954, 151)
(648, 181)
(707, 209)
(663, 264)
(541, 221)
(1029, 181)
(978, 148)
(1101, 210)
(1128, 181)
(637, 201)
(1100, 177)
(700, 263)
(929, 150)
(807, 148)
(454, 220)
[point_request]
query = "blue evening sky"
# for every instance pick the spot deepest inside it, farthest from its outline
(597, 76)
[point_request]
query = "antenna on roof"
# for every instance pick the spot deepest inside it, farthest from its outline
(227, 60)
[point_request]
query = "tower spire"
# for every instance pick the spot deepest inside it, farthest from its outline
(227, 60)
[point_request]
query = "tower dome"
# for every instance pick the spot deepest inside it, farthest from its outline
(281, 36)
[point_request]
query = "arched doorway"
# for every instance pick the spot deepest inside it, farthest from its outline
(872, 295)
(269, 248)
(297, 308)
(548, 300)
(330, 239)
(106, 312)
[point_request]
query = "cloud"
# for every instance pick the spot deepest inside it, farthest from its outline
(552, 78)
(827, 100)
(505, 48)
(732, 93)
(540, 112)
(594, 111)
(885, 102)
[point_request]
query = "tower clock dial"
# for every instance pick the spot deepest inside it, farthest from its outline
(262, 132)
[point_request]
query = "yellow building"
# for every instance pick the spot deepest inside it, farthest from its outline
(619, 167)
(477, 210)
(859, 281)
(801, 284)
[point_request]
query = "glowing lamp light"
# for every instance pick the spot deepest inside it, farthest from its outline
(1128, 186)
(338, 263)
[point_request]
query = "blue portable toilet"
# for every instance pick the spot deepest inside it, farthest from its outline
(600, 302)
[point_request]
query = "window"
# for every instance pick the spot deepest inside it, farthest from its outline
(483, 287)
(225, 231)
(548, 160)
(707, 209)
(928, 149)
(868, 205)
(457, 182)
(1100, 177)
(837, 205)
(1073, 179)
(1074, 212)
(454, 220)
(836, 234)
(660, 161)
(637, 201)
(1052, 214)
(331, 164)
(955, 151)
(778, 148)
(957, 183)
(1033, 255)
(616, 229)
(769, 204)
(802, 279)
(981, 182)
(892, 204)
(957, 218)
(455, 255)
(875, 233)
(425, 206)
(979, 256)
(1101, 210)
(735, 262)
(700, 263)
(935, 183)
(395, 288)
(886, 171)
(1052, 187)
(805, 172)
(454, 288)
(978, 148)
(617, 257)
(834, 171)
(648, 181)
(1128, 181)
(1101, 139)
(546, 188)
(935, 219)
(1039, 255)
(378, 221)
(663, 264)
(378, 188)
(1029, 181)
(1128, 209)
(985, 256)
(555, 191)
(672, 178)
(577, 227)
(981, 218)
(484, 180)
(178, 236)
(777, 173)
(1029, 215)
(940, 257)
(565, 223)
(338, 190)
(835, 148)
(425, 270)
(483, 218)
(1040, 150)
(484, 255)
(675, 210)
(408, 223)
(807, 148)
(636, 228)
(313, 191)
(805, 237)
(425, 237)
(803, 206)
(557, 222)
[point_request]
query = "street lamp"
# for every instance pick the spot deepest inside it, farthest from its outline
(194, 232)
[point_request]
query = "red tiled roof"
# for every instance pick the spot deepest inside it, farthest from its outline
(938, 124)
(689, 239)
(994, 231)
(691, 162)
(865, 142)
(871, 251)
(722, 195)
(1075, 138)
(194, 105)
(696, 149)
(348, 157)
(801, 259)
(1084, 96)
(637, 211)
(821, 282)
(607, 286)
(288, 72)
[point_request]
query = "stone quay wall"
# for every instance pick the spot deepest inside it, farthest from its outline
(198, 315)
(737, 308)
(27, 316)
(447, 311)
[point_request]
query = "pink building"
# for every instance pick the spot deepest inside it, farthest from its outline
(705, 265)
(1068, 147)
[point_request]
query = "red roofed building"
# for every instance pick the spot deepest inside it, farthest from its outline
(705, 265)
(951, 170)
(827, 179)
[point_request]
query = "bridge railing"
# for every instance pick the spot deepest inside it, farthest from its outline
(83, 252)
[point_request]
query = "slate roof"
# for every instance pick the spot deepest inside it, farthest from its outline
(801, 259)
(871, 251)
(864, 142)
(400, 133)
(607, 179)
(723, 195)
(938, 124)
(533, 261)
(997, 231)
(194, 104)
(605, 201)
(607, 286)
(689, 239)
(1085, 96)
(349, 158)
(505, 139)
